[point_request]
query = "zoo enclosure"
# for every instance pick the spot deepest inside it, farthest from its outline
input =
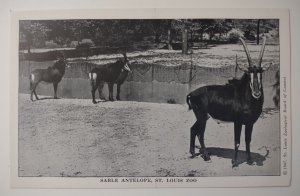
(147, 82)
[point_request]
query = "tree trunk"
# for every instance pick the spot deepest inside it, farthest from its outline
(210, 36)
(170, 35)
(257, 32)
(169, 40)
(29, 42)
(184, 41)
(28, 48)
(157, 35)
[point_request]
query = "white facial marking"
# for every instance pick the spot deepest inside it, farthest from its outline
(259, 83)
(256, 97)
(126, 67)
(251, 81)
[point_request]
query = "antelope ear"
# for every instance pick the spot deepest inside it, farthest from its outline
(265, 67)
(243, 68)
(125, 56)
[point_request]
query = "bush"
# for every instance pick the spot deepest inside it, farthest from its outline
(171, 101)
(87, 41)
(85, 44)
(51, 44)
(234, 35)
(74, 44)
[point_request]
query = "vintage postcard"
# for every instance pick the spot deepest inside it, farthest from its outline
(133, 98)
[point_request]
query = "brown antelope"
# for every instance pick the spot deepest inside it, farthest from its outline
(53, 74)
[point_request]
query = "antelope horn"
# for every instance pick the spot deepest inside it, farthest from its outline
(262, 51)
(243, 68)
(247, 52)
(124, 54)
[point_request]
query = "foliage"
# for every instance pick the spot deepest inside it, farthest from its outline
(33, 33)
(234, 35)
(171, 101)
(125, 32)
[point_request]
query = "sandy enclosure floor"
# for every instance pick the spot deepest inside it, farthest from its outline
(73, 137)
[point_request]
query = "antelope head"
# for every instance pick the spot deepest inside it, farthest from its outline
(61, 57)
(254, 70)
(126, 63)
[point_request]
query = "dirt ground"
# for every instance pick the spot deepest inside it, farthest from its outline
(73, 137)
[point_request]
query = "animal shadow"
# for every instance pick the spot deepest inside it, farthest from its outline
(226, 153)
(45, 98)
(101, 101)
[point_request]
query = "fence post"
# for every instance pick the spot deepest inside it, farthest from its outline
(190, 75)
(29, 67)
(184, 41)
(152, 79)
(169, 40)
(86, 60)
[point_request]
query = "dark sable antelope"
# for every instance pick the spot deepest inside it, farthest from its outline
(120, 80)
(240, 101)
(112, 73)
(53, 74)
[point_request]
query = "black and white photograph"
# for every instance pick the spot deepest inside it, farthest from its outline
(151, 100)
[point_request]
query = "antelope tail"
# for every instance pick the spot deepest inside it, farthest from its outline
(92, 77)
(188, 101)
(31, 80)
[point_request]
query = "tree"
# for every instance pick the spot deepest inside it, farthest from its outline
(120, 32)
(182, 26)
(201, 26)
(257, 31)
(252, 28)
(33, 33)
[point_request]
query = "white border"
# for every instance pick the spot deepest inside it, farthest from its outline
(93, 182)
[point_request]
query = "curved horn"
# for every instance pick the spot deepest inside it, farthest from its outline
(247, 52)
(261, 54)
(241, 67)
(124, 54)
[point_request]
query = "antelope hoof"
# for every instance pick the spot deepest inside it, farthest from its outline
(102, 98)
(118, 98)
(56, 97)
(192, 153)
(111, 99)
(94, 101)
(249, 162)
(234, 163)
(206, 157)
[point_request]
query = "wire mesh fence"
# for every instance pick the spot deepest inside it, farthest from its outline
(146, 82)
